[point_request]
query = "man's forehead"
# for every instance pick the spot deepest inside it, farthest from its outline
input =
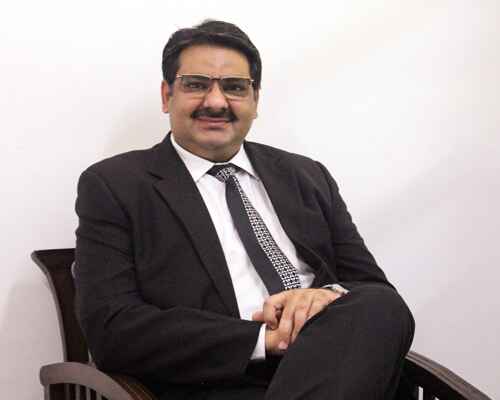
(214, 58)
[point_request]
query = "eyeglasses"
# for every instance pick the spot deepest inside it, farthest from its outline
(233, 87)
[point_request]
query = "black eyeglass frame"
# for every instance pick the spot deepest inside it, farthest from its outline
(211, 79)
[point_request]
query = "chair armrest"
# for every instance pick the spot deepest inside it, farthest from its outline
(439, 381)
(62, 376)
(436, 381)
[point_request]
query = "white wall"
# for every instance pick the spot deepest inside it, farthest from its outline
(398, 98)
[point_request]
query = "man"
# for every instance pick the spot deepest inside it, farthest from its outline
(210, 267)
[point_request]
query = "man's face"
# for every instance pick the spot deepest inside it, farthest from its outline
(210, 126)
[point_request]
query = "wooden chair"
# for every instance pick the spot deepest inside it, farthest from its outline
(78, 379)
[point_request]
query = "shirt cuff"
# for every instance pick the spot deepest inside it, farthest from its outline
(259, 352)
(336, 288)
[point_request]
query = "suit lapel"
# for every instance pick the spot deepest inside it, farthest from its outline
(283, 190)
(180, 192)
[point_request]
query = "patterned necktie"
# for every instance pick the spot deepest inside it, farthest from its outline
(273, 266)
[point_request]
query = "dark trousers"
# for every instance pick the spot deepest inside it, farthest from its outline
(352, 350)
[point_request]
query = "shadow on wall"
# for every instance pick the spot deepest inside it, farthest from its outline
(451, 329)
(30, 336)
(466, 182)
(438, 239)
(141, 127)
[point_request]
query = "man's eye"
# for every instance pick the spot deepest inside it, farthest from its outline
(234, 87)
(196, 85)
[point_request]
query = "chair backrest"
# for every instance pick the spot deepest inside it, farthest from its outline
(56, 265)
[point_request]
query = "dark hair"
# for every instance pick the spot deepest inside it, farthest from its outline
(210, 32)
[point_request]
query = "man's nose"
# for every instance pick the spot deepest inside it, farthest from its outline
(215, 98)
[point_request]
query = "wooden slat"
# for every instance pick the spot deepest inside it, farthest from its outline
(414, 393)
(78, 392)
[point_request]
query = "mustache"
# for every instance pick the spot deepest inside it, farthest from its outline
(225, 113)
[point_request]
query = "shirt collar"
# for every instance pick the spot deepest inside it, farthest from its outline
(198, 166)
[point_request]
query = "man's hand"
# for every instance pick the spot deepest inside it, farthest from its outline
(285, 314)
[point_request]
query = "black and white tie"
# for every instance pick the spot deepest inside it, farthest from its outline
(274, 268)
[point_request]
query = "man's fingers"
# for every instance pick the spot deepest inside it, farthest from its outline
(258, 316)
(274, 344)
(300, 318)
(321, 302)
(270, 313)
(287, 320)
(316, 307)
(308, 304)
(289, 311)
(285, 329)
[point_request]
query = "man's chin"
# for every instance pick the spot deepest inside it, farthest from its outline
(217, 141)
(216, 135)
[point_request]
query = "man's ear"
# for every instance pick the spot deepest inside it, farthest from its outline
(256, 98)
(165, 96)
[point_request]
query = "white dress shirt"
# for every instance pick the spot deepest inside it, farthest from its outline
(248, 286)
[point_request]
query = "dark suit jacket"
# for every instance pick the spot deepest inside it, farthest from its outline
(154, 295)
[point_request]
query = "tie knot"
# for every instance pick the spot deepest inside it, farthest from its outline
(222, 171)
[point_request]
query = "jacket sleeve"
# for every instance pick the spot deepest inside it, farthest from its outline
(125, 334)
(354, 263)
